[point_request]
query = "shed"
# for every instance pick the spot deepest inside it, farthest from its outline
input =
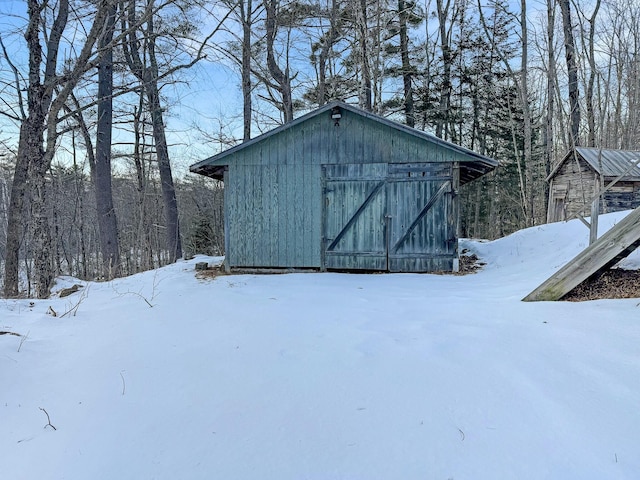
(341, 188)
(585, 171)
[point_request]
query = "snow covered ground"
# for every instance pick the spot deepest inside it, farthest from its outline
(326, 376)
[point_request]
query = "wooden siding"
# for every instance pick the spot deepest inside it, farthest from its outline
(276, 199)
(574, 185)
(622, 196)
(355, 205)
(357, 139)
(275, 216)
(422, 229)
(571, 189)
(396, 217)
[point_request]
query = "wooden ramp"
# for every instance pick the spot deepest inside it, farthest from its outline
(613, 246)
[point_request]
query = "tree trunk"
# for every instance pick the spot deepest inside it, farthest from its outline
(107, 222)
(174, 243)
(246, 19)
(406, 65)
(42, 261)
(551, 75)
(591, 120)
(282, 79)
(148, 76)
(145, 244)
(31, 153)
(526, 120)
(366, 92)
(442, 124)
(572, 70)
(30, 146)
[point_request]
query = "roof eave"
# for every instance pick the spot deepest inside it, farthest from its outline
(630, 178)
(470, 171)
(212, 171)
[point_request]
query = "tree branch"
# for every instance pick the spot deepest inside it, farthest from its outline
(17, 86)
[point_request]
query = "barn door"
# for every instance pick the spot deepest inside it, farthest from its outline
(422, 234)
(354, 229)
(397, 218)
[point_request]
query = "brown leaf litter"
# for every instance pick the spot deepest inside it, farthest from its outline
(613, 283)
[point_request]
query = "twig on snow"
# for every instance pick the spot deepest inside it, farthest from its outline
(23, 339)
(74, 309)
(48, 419)
(138, 294)
(123, 384)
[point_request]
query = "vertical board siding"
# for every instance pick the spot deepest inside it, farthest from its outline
(274, 214)
(398, 220)
(421, 198)
(233, 211)
(294, 186)
(454, 213)
(267, 231)
(253, 213)
(275, 209)
(354, 228)
(227, 201)
(247, 223)
(284, 210)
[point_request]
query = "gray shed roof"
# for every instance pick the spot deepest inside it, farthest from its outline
(608, 163)
(477, 165)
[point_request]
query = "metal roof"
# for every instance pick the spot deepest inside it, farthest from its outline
(476, 166)
(607, 162)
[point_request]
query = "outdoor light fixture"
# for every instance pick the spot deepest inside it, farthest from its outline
(336, 115)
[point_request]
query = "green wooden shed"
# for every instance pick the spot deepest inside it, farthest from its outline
(343, 189)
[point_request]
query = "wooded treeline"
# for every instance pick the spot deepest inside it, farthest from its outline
(84, 70)
(141, 231)
(85, 82)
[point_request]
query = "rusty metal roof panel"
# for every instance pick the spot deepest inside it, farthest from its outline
(612, 163)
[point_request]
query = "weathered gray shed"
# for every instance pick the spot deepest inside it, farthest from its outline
(341, 188)
(583, 172)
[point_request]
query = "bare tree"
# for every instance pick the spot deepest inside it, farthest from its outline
(326, 45)
(246, 19)
(572, 71)
(445, 25)
(282, 78)
(47, 92)
(366, 92)
(101, 167)
(144, 66)
(587, 34)
(521, 80)
(551, 95)
(407, 71)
